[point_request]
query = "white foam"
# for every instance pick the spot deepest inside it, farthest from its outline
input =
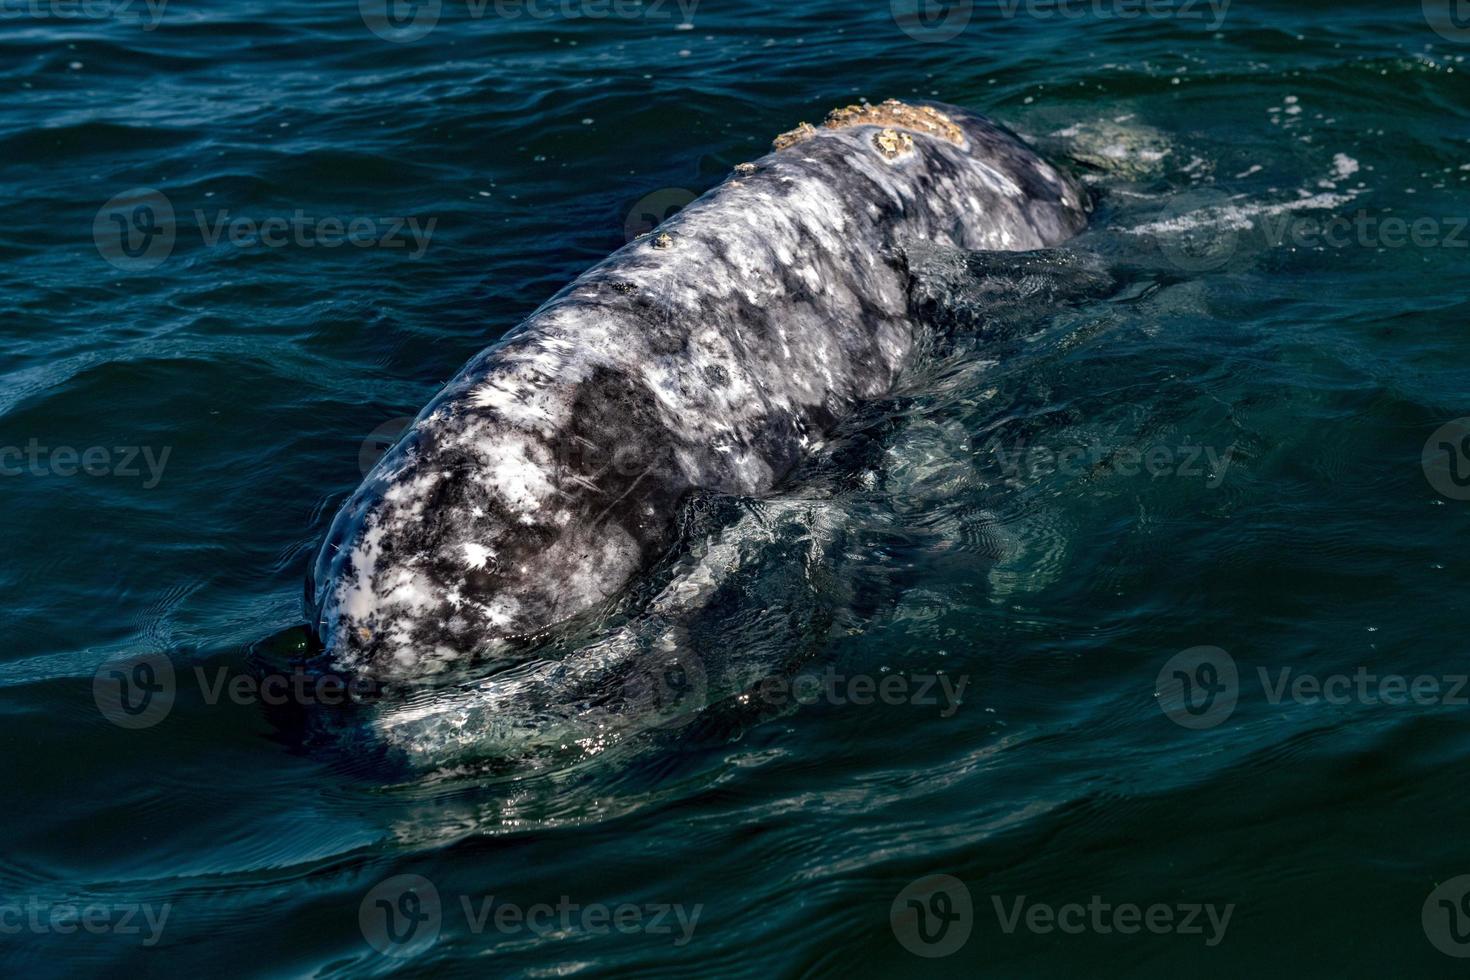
(1238, 216)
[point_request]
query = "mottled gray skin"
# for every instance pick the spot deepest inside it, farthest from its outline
(551, 469)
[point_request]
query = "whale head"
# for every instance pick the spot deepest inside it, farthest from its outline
(478, 529)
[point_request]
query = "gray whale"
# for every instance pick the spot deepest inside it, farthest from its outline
(709, 355)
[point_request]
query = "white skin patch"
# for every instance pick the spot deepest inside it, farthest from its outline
(522, 483)
(502, 611)
(521, 408)
(476, 555)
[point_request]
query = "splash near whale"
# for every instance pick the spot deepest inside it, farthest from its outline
(710, 355)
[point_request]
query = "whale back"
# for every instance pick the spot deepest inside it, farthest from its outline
(711, 354)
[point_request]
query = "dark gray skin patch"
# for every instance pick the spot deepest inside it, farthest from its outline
(710, 355)
(632, 467)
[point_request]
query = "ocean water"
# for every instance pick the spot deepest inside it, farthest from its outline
(1133, 613)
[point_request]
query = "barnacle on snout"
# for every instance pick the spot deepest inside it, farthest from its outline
(891, 143)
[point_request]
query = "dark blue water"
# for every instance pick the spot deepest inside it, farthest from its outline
(1213, 421)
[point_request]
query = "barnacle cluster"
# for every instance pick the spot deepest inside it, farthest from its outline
(791, 137)
(890, 142)
(892, 114)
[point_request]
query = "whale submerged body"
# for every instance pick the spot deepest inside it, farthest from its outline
(710, 355)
